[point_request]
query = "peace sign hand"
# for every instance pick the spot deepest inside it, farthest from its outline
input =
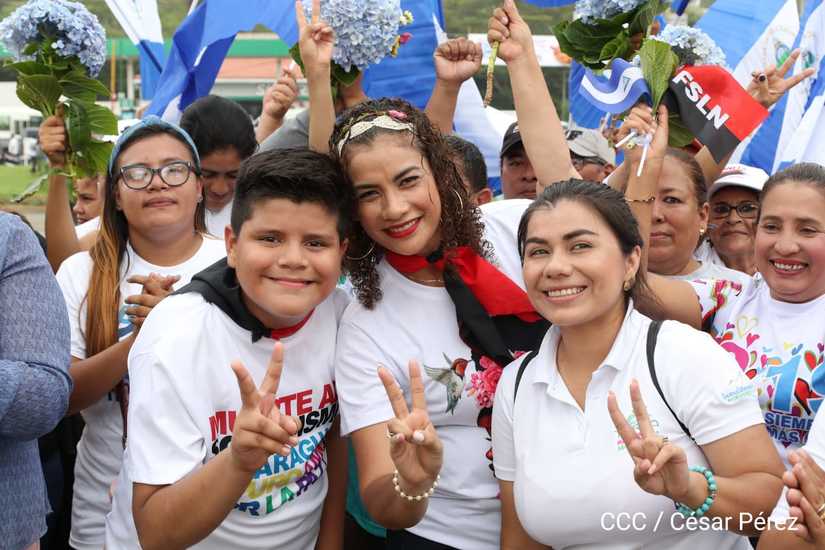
(415, 448)
(316, 39)
(769, 85)
(260, 428)
(660, 467)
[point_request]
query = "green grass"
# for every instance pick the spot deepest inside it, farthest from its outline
(14, 179)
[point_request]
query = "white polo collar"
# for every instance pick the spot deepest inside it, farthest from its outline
(621, 353)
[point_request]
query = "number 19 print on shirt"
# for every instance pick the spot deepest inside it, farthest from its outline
(284, 478)
(778, 345)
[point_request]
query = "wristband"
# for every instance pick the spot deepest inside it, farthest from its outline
(705, 506)
(414, 498)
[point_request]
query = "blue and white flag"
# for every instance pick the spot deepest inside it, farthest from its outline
(618, 93)
(755, 35)
(802, 142)
(141, 23)
(201, 42)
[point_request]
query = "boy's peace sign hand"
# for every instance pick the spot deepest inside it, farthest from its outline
(661, 467)
(316, 39)
(260, 428)
(415, 448)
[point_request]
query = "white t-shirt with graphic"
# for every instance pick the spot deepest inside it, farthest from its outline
(100, 450)
(216, 221)
(182, 407)
(414, 321)
(711, 270)
(779, 345)
(572, 475)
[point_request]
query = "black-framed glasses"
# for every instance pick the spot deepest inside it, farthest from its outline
(173, 174)
(747, 210)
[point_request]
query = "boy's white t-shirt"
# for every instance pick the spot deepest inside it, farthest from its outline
(182, 406)
(572, 475)
(414, 321)
(100, 450)
(216, 221)
(779, 345)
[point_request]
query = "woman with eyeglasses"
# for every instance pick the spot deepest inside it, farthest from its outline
(734, 205)
(151, 241)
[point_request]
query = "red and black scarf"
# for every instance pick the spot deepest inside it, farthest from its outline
(495, 317)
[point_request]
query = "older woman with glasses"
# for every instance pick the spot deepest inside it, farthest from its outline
(734, 205)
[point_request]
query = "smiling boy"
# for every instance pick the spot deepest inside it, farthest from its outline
(281, 482)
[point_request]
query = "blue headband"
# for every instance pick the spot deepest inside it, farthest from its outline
(151, 121)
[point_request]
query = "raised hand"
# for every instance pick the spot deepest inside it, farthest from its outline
(260, 428)
(457, 60)
(52, 137)
(155, 288)
(660, 467)
(315, 39)
(806, 497)
(280, 96)
(415, 448)
(769, 85)
(511, 32)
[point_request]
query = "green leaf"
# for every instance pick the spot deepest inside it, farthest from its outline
(77, 125)
(678, 135)
(28, 68)
(39, 92)
(82, 88)
(658, 64)
(32, 188)
(91, 160)
(645, 14)
(101, 120)
(618, 47)
(31, 48)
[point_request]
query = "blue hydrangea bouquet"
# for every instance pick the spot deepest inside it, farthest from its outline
(366, 31)
(58, 48)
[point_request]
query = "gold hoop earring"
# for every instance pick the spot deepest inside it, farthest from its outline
(372, 248)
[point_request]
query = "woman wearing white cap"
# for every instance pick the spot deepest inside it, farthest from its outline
(734, 205)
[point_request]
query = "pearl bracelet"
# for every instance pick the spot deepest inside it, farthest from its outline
(410, 498)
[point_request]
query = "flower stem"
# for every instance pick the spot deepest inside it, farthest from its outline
(491, 67)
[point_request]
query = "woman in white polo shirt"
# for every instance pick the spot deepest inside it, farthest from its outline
(569, 474)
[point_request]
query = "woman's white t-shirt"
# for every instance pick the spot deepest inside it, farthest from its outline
(572, 475)
(216, 221)
(182, 407)
(711, 270)
(100, 450)
(779, 345)
(83, 229)
(414, 321)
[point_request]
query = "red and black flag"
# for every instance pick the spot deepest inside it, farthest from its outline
(714, 107)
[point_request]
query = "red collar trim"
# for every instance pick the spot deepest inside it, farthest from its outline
(285, 332)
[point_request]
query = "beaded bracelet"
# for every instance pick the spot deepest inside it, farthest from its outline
(410, 498)
(705, 506)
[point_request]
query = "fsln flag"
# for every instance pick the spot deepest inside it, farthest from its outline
(141, 23)
(713, 106)
(618, 93)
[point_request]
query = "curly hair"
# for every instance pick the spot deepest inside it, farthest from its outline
(460, 221)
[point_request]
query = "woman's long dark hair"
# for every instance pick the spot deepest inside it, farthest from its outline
(460, 222)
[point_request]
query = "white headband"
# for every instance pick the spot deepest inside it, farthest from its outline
(382, 121)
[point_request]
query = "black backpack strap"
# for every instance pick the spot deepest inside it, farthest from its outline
(652, 335)
(530, 356)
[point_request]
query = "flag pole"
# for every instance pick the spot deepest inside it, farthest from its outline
(192, 7)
